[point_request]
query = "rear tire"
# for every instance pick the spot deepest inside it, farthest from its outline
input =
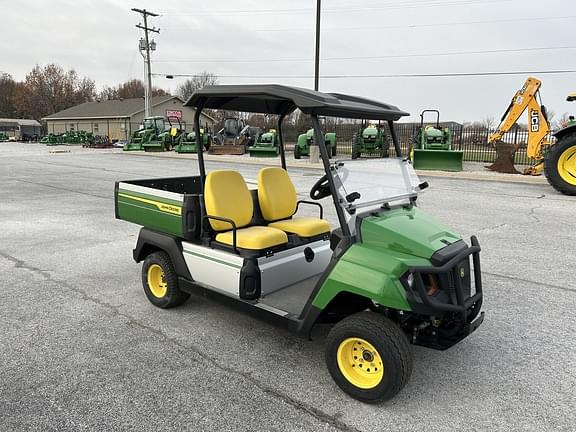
(368, 357)
(560, 165)
(160, 281)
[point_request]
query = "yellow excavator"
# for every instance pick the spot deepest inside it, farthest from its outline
(557, 160)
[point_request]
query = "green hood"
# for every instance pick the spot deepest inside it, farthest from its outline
(408, 231)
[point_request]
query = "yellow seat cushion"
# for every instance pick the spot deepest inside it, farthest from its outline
(255, 237)
(303, 226)
(226, 195)
(276, 194)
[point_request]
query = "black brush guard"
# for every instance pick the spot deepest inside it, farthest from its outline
(465, 308)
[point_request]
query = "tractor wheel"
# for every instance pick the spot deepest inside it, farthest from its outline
(160, 281)
(560, 165)
(297, 152)
(368, 356)
(334, 149)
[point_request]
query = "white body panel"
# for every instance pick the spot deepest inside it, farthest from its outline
(290, 266)
(214, 267)
(221, 270)
(152, 191)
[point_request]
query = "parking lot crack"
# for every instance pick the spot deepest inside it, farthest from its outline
(319, 415)
(18, 263)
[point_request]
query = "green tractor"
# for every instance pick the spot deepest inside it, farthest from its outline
(305, 140)
(370, 141)
(166, 138)
(151, 128)
(52, 139)
(187, 142)
(432, 148)
(3, 137)
(266, 145)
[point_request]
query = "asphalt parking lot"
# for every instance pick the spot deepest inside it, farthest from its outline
(81, 348)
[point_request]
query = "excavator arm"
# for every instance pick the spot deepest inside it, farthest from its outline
(526, 99)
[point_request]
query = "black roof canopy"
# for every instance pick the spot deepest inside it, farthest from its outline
(280, 99)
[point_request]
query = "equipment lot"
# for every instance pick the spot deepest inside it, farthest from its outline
(82, 348)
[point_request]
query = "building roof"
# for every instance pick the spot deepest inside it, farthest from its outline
(18, 122)
(108, 109)
(281, 100)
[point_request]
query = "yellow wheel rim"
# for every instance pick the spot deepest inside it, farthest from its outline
(157, 281)
(567, 165)
(360, 363)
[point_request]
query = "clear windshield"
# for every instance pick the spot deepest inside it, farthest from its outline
(377, 181)
(148, 123)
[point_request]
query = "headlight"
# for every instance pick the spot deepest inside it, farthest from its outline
(410, 280)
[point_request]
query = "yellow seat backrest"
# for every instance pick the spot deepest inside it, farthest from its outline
(226, 195)
(276, 194)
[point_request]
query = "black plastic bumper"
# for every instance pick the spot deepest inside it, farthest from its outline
(458, 313)
(465, 306)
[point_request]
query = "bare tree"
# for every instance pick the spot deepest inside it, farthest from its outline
(133, 88)
(50, 89)
(489, 123)
(7, 93)
(185, 90)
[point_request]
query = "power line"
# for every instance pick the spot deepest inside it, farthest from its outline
(293, 11)
(439, 75)
(448, 24)
(453, 53)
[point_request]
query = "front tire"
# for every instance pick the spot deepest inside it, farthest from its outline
(560, 165)
(160, 281)
(297, 152)
(368, 357)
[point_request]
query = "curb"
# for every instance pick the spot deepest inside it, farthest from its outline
(304, 164)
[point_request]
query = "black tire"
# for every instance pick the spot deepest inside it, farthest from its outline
(173, 295)
(391, 345)
(334, 150)
(297, 152)
(355, 147)
(565, 143)
(208, 143)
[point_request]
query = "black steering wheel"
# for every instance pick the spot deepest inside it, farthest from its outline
(321, 188)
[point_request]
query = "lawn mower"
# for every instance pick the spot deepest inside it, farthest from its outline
(432, 147)
(166, 137)
(386, 276)
(305, 140)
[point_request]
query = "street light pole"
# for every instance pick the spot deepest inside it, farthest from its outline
(146, 45)
(317, 58)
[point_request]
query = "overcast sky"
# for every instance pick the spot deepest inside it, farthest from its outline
(255, 38)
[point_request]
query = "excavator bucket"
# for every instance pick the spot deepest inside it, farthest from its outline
(439, 160)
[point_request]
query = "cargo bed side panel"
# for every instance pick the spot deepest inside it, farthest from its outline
(152, 208)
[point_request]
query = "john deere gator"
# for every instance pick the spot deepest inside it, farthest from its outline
(383, 274)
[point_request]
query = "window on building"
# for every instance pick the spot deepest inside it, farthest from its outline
(95, 127)
(72, 126)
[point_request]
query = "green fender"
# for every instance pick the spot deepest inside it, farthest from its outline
(391, 242)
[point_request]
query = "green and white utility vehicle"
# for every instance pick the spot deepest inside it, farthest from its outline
(386, 276)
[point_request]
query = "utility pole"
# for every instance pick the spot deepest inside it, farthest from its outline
(317, 59)
(146, 46)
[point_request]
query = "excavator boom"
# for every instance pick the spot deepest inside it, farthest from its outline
(526, 99)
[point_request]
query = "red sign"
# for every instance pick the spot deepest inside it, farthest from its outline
(174, 113)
